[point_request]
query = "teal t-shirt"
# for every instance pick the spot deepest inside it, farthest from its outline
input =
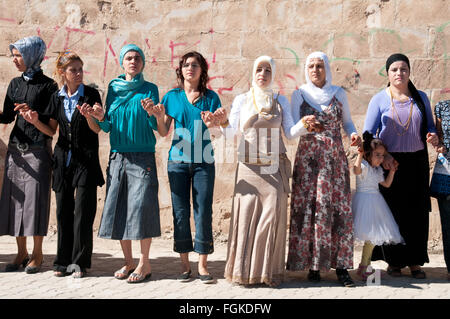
(191, 141)
(129, 126)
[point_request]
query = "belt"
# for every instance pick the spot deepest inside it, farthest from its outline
(23, 147)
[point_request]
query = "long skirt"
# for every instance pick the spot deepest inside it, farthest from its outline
(257, 237)
(409, 201)
(25, 198)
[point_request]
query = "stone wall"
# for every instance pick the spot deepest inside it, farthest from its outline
(357, 35)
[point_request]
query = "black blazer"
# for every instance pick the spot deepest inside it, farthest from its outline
(80, 139)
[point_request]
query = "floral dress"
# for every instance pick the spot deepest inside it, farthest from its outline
(321, 230)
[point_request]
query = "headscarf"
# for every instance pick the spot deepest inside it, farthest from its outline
(263, 96)
(314, 95)
(414, 92)
(120, 90)
(33, 51)
(130, 47)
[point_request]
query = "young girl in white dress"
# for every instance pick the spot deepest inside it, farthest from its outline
(373, 220)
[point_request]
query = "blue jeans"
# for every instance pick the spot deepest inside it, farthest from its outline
(200, 178)
(444, 211)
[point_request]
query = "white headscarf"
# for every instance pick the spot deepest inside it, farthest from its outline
(314, 95)
(263, 96)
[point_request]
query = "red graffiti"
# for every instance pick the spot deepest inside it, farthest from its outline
(70, 30)
(107, 50)
(445, 91)
(8, 20)
(293, 79)
(221, 89)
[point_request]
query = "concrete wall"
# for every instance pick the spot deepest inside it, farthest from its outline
(357, 35)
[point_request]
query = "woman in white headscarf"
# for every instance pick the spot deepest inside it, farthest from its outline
(25, 198)
(321, 231)
(257, 236)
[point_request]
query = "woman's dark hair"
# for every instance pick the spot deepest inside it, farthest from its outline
(370, 144)
(204, 78)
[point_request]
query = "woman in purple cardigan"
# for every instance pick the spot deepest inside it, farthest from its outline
(401, 117)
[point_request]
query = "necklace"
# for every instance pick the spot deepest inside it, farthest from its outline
(265, 115)
(406, 125)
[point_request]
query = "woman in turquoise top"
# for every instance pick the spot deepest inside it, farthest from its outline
(191, 161)
(131, 210)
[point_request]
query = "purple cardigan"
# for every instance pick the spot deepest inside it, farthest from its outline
(381, 121)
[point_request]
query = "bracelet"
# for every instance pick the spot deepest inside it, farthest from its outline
(103, 119)
(224, 125)
(306, 125)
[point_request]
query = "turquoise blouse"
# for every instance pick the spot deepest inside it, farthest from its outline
(191, 141)
(130, 127)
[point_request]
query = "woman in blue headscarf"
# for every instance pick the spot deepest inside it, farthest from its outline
(131, 210)
(25, 198)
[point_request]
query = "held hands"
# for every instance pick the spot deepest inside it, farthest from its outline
(147, 105)
(97, 112)
(219, 117)
(433, 139)
(312, 124)
(389, 163)
(356, 141)
(26, 112)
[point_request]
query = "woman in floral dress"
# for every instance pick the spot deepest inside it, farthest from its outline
(321, 234)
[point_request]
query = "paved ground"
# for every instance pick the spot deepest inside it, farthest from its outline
(165, 267)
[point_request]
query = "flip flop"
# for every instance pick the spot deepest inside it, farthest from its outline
(122, 273)
(139, 278)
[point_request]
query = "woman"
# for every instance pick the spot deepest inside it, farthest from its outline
(401, 117)
(321, 234)
(257, 236)
(131, 210)
(442, 112)
(25, 198)
(76, 165)
(191, 161)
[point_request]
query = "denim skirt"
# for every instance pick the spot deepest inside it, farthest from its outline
(131, 210)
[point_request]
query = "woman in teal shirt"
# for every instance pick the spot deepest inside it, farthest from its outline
(191, 161)
(131, 210)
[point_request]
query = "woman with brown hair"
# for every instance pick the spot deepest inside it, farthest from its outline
(191, 161)
(76, 165)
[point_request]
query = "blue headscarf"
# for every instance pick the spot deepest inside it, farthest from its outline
(120, 90)
(33, 51)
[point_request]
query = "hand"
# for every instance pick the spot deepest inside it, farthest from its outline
(21, 107)
(159, 111)
(441, 149)
(433, 139)
(389, 162)
(356, 141)
(30, 116)
(221, 116)
(98, 112)
(85, 109)
(147, 105)
(312, 124)
(208, 118)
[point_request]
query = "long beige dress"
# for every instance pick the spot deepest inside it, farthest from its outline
(257, 237)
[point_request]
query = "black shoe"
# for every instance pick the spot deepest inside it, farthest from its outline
(314, 275)
(184, 277)
(15, 267)
(344, 278)
(206, 279)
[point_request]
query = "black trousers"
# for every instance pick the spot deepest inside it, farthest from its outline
(409, 201)
(75, 214)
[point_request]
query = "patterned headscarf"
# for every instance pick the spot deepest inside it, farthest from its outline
(33, 51)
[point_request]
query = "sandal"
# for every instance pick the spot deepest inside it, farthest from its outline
(122, 273)
(394, 271)
(139, 278)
